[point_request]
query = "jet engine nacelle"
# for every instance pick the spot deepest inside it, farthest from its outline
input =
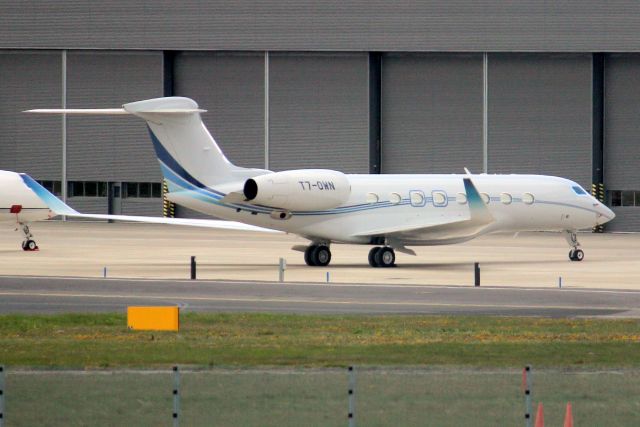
(299, 190)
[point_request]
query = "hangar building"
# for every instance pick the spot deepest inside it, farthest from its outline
(360, 86)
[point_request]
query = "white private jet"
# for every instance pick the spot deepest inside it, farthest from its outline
(389, 212)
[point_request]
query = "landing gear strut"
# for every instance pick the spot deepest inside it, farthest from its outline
(28, 244)
(575, 254)
(382, 257)
(317, 255)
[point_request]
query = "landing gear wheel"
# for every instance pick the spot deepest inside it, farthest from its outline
(321, 256)
(385, 257)
(372, 256)
(29, 245)
(308, 255)
(576, 255)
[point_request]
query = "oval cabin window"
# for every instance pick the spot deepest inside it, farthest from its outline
(417, 198)
(485, 198)
(506, 198)
(461, 198)
(395, 198)
(528, 198)
(372, 198)
(439, 198)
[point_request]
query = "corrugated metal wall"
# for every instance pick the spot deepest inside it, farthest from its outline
(540, 115)
(30, 143)
(230, 86)
(111, 148)
(431, 113)
(357, 25)
(622, 134)
(318, 112)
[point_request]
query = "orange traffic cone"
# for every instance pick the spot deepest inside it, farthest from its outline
(540, 416)
(568, 416)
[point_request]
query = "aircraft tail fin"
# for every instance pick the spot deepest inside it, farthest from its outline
(188, 154)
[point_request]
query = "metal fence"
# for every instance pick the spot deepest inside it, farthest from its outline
(362, 396)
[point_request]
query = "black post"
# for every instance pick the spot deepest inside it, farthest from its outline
(597, 132)
(193, 268)
(476, 271)
(375, 88)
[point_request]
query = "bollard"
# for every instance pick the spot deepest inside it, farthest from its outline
(352, 396)
(193, 268)
(104, 272)
(281, 267)
(560, 282)
(476, 273)
(526, 373)
(328, 277)
(1, 395)
(176, 396)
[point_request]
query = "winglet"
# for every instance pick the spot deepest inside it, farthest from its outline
(52, 202)
(477, 208)
(467, 171)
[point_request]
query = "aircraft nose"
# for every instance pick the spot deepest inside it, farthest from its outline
(604, 214)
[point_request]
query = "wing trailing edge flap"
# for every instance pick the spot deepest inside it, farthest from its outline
(479, 218)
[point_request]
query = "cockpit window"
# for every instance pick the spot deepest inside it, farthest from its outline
(579, 191)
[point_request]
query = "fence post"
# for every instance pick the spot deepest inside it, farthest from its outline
(526, 373)
(281, 267)
(1, 395)
(352, 396)
(176, 396)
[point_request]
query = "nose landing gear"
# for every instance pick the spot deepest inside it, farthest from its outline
(28, 244)
(575, 254)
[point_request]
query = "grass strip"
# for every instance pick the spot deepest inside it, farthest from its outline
(103, 340)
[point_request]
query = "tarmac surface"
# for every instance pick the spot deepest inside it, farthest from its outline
(54, 295)
(236, 271)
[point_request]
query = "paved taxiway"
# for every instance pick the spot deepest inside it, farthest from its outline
(50, 295)
(155, 251)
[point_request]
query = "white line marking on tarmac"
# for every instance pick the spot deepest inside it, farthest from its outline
(139, 280)
(305, 301)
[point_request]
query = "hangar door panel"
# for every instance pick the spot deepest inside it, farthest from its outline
(622, 137)
(230, 86)
(319, 111)
(540, 115)
(30, 143)
(116, 148)
(431, 113)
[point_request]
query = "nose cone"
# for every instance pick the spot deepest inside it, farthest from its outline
(604, 214)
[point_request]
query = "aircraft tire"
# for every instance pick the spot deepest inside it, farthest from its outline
(385, 257)
(30, 245)
(576, 255)
(372, 256)
(308, 255)
(321, 256)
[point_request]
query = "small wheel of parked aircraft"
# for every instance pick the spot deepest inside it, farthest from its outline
(385, 257)
(372, 256)
(576, 255)
(321, 256)
(308, 255)
(29, 245)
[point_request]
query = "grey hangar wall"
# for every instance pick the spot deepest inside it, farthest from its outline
(357, 86)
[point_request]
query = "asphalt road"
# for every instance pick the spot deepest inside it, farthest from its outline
(58, 295)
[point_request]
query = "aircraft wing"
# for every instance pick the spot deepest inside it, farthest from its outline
(441, 228)
(58, 207)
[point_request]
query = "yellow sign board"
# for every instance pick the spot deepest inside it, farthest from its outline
(153, 318)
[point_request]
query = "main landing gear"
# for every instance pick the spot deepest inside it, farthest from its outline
(575, 254)
(317, 255)
(382, 257)
(28, 244)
